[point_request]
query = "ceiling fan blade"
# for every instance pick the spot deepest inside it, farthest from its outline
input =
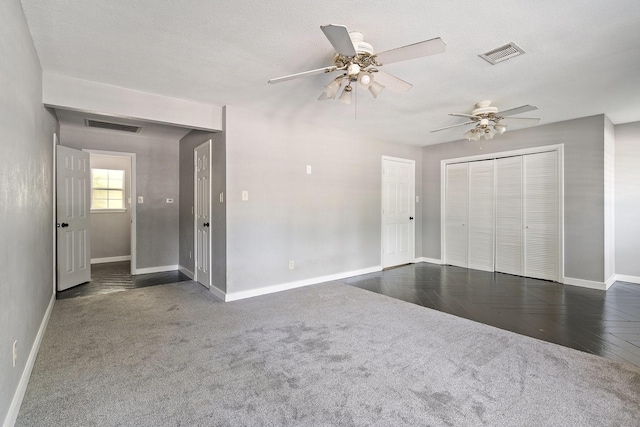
(465, 115)
(453, 126)
(512, 119)
(339, 38)
(412, 51)
(304, 74)
(392, 83)
(517, 110)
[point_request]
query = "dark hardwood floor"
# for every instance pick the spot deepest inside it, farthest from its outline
(116, 277)
(598, 322)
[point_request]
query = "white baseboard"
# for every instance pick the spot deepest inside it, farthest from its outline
(585, 283)
(626, 278)
(186, 272)
(217, 293)
(610, 281)
(429, 260)
(12, 415)
(110, 259)
(234, 296)
(159, 269)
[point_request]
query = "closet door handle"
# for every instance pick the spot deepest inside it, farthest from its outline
(410, 218)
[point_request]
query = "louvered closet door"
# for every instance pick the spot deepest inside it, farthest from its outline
(509, 216)
(541, 215)
(456, 214)
(481, 214)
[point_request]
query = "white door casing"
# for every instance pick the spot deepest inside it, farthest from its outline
(202, 213)
(73, 222)
(398, 211)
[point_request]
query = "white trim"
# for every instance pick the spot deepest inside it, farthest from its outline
(558, 148)
(412, 197)
(610, 281)
(429, 260)
(626, 278)
(234, 296)
(217, 293)
(54, 204)
(134, 198)
(585, 283)
(14, 409)
(159, 269)
(110, 259)
(186, 272)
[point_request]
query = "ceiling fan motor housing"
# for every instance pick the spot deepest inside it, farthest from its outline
(359, 44)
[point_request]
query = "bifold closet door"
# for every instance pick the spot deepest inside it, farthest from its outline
(481, 227)
(540, 207)
(456, 214)
(509, 216)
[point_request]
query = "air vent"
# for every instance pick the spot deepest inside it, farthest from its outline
(502, 53)
(112, 126)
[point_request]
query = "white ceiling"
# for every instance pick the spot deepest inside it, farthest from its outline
(583, 56)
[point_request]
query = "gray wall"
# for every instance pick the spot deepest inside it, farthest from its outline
(111, 231)
(156, 180)
(627, 198)
(328, 222)
(583, 141)
(26, 202)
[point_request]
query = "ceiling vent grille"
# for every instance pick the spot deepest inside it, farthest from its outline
(112, 126)
(502, 53)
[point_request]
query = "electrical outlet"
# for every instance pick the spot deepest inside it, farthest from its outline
(222, 197)
(309, 169)
(15, 353)
(140, 199)
(291, 265)
(245, 195)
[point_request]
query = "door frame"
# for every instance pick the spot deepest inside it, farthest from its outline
(557, 148)
(195, 213)
(412, 204)
(134, 198)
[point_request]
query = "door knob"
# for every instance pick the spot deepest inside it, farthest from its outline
(63, 225)
(206, 224)
(410, 218)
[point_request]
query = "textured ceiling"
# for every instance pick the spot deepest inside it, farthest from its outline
(583, 56)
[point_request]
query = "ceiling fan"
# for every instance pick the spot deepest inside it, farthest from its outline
(359, 64)
(485, 116)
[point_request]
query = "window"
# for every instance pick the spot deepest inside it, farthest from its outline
(107, 189)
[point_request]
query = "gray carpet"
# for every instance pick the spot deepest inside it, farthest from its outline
(328, 354)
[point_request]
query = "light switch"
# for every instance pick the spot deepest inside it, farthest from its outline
(140, 199)
(245, 195)
(309, 169)
(222, 197)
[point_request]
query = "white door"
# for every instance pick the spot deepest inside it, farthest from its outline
(202, 157)
(456, 214)
(398, 211)
(72, 218)
(541, 215)
(481, 215)
(509, 216)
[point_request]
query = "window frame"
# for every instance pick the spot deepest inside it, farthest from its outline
(109, 188)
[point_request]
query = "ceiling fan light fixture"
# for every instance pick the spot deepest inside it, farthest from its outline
(331, 90)
(500, 128)
(365, 79)
(469, 134)
(375, 88)
(488, 134)
(345, 98)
